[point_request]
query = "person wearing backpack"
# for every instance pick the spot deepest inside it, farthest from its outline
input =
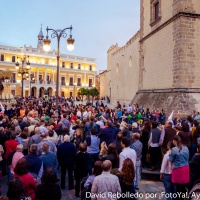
(65, 122)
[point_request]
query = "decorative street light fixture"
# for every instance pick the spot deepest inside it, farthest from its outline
(70, 46)
(32, 80)
(22, 71)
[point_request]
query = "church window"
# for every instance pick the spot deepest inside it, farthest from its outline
(130, 62)
(156, 7)
(155, 11)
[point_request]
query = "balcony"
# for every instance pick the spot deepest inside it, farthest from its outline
(49, 82)
(79, 84)
(8, 81)
(33, 81)
(71, 84)
(63, 83)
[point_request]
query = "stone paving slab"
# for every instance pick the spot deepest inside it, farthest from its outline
(151, 190)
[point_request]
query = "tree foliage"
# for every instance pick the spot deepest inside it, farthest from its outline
(88, 92)
(93, 92)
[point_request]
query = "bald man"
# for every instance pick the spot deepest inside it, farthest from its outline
(106, 183)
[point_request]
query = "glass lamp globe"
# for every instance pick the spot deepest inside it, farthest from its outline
(46, 45)
(70, 43)
(28, 66)
(70, 47)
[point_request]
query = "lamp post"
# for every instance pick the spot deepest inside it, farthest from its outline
(32, 80)
(70, 41)
(22, 71)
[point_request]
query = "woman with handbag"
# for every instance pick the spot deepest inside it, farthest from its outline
(146, 130)
(180, 166)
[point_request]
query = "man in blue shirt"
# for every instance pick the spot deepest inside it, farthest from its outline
(92, 142)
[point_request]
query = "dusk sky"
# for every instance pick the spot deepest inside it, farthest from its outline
(97, 24)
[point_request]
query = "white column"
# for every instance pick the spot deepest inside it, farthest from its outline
(45, 75)
(85, 79)
(37, 77)
(37, 92)
(53, 76)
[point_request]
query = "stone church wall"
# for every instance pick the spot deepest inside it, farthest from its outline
(124, 69)
(161, 64)
(158, 60)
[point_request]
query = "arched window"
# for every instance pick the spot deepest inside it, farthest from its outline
(117, 68)
(130, 64)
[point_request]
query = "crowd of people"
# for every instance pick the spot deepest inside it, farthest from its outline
(101, 149)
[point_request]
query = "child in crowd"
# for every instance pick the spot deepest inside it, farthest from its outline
(166, 171)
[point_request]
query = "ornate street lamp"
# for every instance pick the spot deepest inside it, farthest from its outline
(22, 70)
(32, 80)
(70, 46)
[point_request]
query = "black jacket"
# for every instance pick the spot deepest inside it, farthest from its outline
(66, 152)
(107, 135)
(194, 169)
(81, 164)
(48, 192)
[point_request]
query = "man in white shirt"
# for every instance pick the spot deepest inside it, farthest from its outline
(78, 114)
(100, 123)
(130, 109)
(127, 152)
(85, 114)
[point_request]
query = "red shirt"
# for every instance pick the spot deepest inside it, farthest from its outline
(73, 118)
(10, 146)
(29, 184)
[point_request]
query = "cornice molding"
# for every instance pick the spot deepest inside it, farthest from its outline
(180, 14)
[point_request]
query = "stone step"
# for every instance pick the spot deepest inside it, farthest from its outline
(146, 171)
(150, 175)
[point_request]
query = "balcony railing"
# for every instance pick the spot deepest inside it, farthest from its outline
(71, 84)
(8, 81)
(79, 84)
(63, 83)
(49, 82)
